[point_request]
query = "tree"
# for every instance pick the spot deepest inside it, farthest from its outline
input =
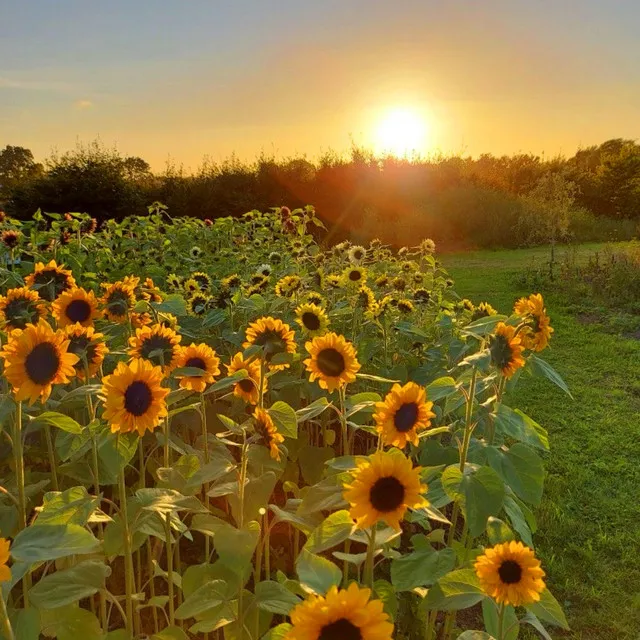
(16, 166)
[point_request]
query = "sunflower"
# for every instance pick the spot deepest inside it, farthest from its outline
(133, 397)
(427, 246)
(118, 300)
(399, 283)
(200, 356)
(317, 277)
(195, 252)
(421, 296)
(466, 305)
(287, 286)
(150, 292)
(274, 336)
(264, 270)
(345, 614)
(268, 432)
(366, 297)
(275, 257)
(356, 254)
(50, 280)
(36, 359)
(402, 251)
(536, 336)
(333, 280)
(5, 572)
(10, 238)
(90, 348)
(382, 281)
(384, 486)
(313, 297)
(157, 344)
(405, 306)
(191, 286)
(404, 412)
(75, 305)
(168, 320)
(198, 304)
(174, 281)
(140, 319)
(333, 361)
(506, 349)
(511, 574)
(231, 282)
(354, 275)
(20, 307)
(248, 388)
(312, 318)
(483, 310)
(418, 277)
(408, 266)
(202, 279)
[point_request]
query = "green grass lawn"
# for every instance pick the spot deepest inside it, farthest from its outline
(589, 521)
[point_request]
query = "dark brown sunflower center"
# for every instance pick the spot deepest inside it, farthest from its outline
(387, 494)
(78, 311)
(196, 362)
(137, 398)
(405, 417)
(355, 275)
(202, 281)
(118, 303)
(246, 385)
(501, 353)
(157, 349)
(331, 362)
(19, 312)
(510, 572)
(341, 629)
(272, 342)
(42, 363)
(51, 283)
(311, 321)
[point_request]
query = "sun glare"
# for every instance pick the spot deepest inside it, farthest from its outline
(401, 132)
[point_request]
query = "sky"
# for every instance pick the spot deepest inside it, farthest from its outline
(185, 79)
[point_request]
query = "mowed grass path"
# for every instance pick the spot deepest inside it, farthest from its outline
(589, 520)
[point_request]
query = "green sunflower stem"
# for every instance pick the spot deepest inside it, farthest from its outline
(52, 458)
(261, 388)
(244, 458)
(18, 459)
(166, 450)
(343, 421)
(205, 444)
(96, 484)
(168, 542)
(128, 555)
(501, 622)
(6, 623)
(491, 431)
(371, 552)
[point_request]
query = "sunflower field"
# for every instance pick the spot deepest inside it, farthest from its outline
(233, 430)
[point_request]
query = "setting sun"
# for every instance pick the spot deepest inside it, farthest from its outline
(401, 132)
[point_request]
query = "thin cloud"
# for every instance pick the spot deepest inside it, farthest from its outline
(83, 105)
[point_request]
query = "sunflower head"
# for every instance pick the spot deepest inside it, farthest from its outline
(506, 349)
(313, 297)
(35, 359)
(76, 305)
(287, 286)
(483, 310)
(231, 282)
(90, 348)
(274, 336)
(267, 431)
(275, 257)
(366, 297)
(382, 281)
(537, 333)
(511, 574)
(168, 320)
(202, 279)
(150, 292)
(399, 283)
(191, 286)
(195, 252)
(118, 300)
(21, 307)
(404, 412)
(5, 572)
(264, 270)
(405, 306)
(421, 296)
(174, 281)
(10, 238)
(356, 254)
(333, 280)
(427, 246)
(133, 397)
(247, 388)
(353, 276)
(50, 280)
(312, 318)
(345, 614)
(157, 344)
(198, 304)
(384, 486)
(466, 305)
(332, 362)
(199, 356)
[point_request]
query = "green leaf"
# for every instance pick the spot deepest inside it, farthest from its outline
(490, 616)
(518, 520)
(522, 469)
(480, 492)
(165, 501)
(58, 420)
(278, 633)
(517, 425)
(441, 388)
(27, 624)
(173, 303)
(73, 506)
(326, 494)
(386, 593)
(313, 410)
(70, 585)
(206, 597)
(457, 590)
(483, 326)
(498, 531)
(170, 633)
(274, 597)
(317, 573)
(257, 493)
(312, 462)
(532, 619)
(70, 623)
(475, 635)
(235, 547)
(549, 610)
(285, 419)
(49, 542)
(333, 530)
(541, 367)
(421, 568)
(227, 382)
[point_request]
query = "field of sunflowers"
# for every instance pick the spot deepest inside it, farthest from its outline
(232, 430)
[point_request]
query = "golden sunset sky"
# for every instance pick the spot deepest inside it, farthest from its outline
(189, 78)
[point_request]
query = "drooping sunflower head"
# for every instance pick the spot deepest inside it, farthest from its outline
(198, 304)
(198, 356)
(195, 252)
(133, 397)
(268, 432)
(421, 296)
(352, 276)
(345, 614)
(231, 282)
(511, 574)
(50, 280)
(140, 319)
(90, 348)
(274, 336)
(118, 300)
(427, 246)
(191, 286)
(402, 252)
(168, 320)
(313, 297)
(202, 279)
(357, 254)
(506, 349)
(76, 305)
(174, 281)
(36, 359)
(5, 572)
(287, 286)
(537, 333)
(405, 306)
(10, 238)
(382, 281)
(157, 344)
(333, 362)
(275, 257)
(248, 388)
(483, 310)
(384, 486)
(312, 318)
(366, 297)
(150, 292)
(466, 305)
(333, 280)
(399, 283)
(20, 307)
(404, 412)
